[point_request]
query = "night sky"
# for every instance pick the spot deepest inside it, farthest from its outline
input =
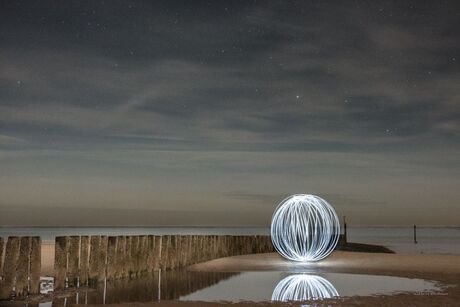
(210, 113)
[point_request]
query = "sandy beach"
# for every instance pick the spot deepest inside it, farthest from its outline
(440, 268)
(444, 269)
(339, 261)
(47, 259)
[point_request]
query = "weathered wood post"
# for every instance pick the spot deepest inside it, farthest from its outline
(134, 265)
(150, 253)
(186, 250)
(35, 264)
(158, 252)
(111, 257)
(164, 252)
(202, 248)
(194, 249)
(191, 250)
(73, 261)
(102, 258)
(415, 234)
(84, 260)
(178, 251)
(143, 254)
(206, 247)
(128, 258)
(93, 272)
(172, 252)
(120, 257)
(231, 245)
(22, 270)
(9, 267)
(2, 243)
(60, 262)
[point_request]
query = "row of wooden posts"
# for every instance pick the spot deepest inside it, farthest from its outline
(21, 267)
(85, 260)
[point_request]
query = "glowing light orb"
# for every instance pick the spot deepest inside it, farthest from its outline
(304, 228)
(302, 287)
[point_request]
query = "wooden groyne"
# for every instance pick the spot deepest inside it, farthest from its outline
(20, 269)
(83, 260)
(86, 260)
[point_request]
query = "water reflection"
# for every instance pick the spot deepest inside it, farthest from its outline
(258, 286)
(302, 287)
(166, 285)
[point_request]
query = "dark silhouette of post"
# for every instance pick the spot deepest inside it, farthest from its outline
(344, 230)
(415, 234)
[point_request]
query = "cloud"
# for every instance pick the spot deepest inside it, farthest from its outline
(233, 100)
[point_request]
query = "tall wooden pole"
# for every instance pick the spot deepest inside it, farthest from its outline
(415, 234)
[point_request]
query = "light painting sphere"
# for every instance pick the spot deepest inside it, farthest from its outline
(304, 228)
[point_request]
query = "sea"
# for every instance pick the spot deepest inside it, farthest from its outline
(430, 240)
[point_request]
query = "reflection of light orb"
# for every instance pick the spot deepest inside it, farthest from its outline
(302, 287)
(304, 228)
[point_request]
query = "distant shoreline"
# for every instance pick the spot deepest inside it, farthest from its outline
(195, 226)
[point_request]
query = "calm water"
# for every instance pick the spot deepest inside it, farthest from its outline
(430, 240)
(245, 286)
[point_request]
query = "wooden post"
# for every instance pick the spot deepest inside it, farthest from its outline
(164, 252)
(2, 243)
(9, 268)
(35, 264)
(127, 264)
(143, 254)
(73, 261)
(93, 272)
(150, 253)
(111, 257)
(134, 256)
(102, 258)
(158, 252)
(172, 252)
(415, 234)
(84, 260)
(22, 271)
(186, 250)
(60, 262)
(345, 237)
(120, 258)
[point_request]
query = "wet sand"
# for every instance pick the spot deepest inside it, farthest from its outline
(441, 268)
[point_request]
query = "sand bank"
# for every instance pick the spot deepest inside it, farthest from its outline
(340, 261)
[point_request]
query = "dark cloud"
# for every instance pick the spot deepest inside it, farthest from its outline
(215, 97)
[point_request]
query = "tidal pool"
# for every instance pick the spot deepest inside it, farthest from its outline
(241, 286)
